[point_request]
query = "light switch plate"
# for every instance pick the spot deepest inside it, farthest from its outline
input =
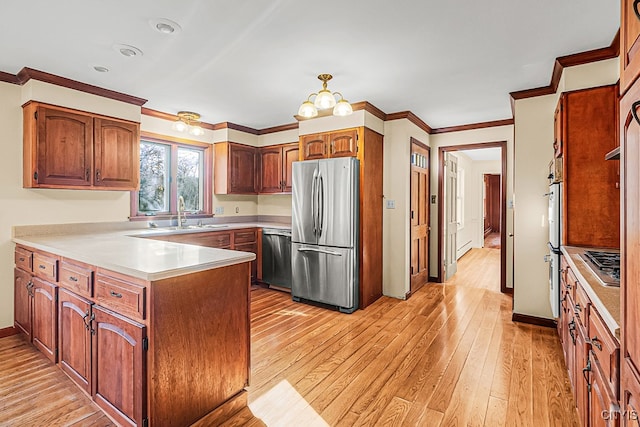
(219, 210)
(391, 204)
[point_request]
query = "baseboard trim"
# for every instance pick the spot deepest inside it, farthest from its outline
(7, 332)
(533, 320)
(433, 279)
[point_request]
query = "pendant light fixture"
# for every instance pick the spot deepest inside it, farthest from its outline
(188, 122)
(324, 100)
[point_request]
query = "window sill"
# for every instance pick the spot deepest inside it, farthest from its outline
(168, 216)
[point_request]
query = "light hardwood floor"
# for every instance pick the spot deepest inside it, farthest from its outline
(450, 355)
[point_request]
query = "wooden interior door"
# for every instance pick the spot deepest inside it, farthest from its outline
(419, 215)
(451, 192)
(492, 205)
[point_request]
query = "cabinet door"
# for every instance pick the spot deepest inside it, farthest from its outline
(242, 176)
(250, 247)
(630, 210)
(45, 311)
(557, 130)
(64, 147)
(75, 337)
(581, 375)
(22, 301)
(290, 154)
(314, 146)
(117, 154)
(629, 44)
(344, 143)
(119, 366)
(630, 400)
(270, 170)
(603, 403)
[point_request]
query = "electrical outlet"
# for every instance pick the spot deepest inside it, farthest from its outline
(219, 210)
(237, 209)
(391, 204)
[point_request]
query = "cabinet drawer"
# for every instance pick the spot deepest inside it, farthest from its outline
(23, 258)
(605, 348)
(571, 283)
(582, 306)
(219, 240)
(244, 236)
(123, 297)
(76, 278)
(45, 267)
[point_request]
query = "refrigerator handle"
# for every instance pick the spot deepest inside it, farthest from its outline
(322, 251)
(313, 201)
(321, 207)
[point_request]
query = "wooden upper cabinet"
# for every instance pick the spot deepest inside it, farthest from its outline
(276, 163)
(314, 146)
(591, 195)
(557, 129)
(343, 143)
(234, 169)
(290, 154)
(270, 170)
(629, 44)
(65, 148)
(117, 154)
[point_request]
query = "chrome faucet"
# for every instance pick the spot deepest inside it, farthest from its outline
(182, 218)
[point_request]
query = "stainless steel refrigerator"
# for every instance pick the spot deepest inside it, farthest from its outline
(324, 232)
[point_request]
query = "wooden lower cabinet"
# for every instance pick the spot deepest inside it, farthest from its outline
(75, 337)
(22, 301)
(119, 366)
(45, 311)
(604, 410)
(166, 352)
(630, 398)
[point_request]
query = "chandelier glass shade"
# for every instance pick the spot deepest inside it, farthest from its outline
(188, 122)
(324, 100)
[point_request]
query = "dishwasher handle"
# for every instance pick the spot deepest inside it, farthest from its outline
(322, 251)
(283, 233)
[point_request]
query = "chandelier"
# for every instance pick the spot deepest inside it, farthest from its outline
(324, 100)
(188, 122)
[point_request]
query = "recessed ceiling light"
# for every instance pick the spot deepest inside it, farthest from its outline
(128, 51)
(165, 26)
(100, 69)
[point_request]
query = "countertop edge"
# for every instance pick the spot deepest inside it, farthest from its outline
(610, 321)
(154, 276)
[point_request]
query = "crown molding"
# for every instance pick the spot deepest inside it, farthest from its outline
(27, 74)
(412, 118)
(281, 128)
(9, 78)
(610, 52)
(481, 125)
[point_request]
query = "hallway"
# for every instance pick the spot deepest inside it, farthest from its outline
(478, 268)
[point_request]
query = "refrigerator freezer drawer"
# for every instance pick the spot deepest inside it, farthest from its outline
(325, 274)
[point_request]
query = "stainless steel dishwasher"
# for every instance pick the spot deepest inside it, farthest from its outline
(276, 257)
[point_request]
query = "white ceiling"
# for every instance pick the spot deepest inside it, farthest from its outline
(252, 62)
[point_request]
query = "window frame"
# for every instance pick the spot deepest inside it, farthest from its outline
(207, 174)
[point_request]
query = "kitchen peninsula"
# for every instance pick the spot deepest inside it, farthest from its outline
(156, 332)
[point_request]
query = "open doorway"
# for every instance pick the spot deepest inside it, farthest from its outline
(471, 207)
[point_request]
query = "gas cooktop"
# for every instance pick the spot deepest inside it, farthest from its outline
(605, 265)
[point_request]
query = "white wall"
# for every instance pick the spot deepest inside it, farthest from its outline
(534, 136)
(465, 235)
(395, 222)
(450, 139)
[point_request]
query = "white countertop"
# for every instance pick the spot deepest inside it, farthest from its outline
(121, 251)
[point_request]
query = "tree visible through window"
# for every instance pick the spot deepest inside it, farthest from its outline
(170, 169)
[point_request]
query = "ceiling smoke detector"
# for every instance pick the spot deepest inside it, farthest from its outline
(127, 50)
(165, 26)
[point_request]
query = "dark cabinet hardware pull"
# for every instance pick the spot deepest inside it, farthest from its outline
(73, 279)
(86, 174)
(41, 267)
(595, 341)
(84, 320)
(115, 294)
(636, 104)
(98, 175)
(21, 259)
(578, 308)
(30, 288)
(635, 8)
